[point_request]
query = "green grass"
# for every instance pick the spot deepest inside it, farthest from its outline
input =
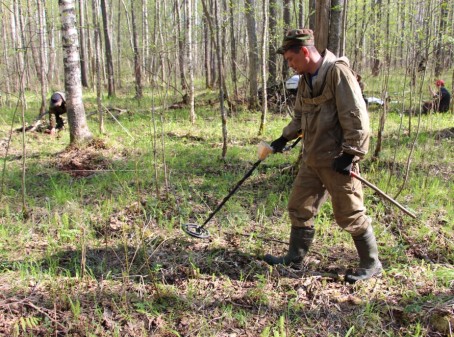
(103, 254)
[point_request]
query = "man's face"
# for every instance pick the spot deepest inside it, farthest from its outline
(297, 61)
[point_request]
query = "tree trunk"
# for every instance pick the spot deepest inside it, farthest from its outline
(312, 17)
(31, 43)
(287, 25)
(78, 128)
(181, 44)
(273, 42)
(20, 51)
(207, 58)
(108, 51)
(51, 73)
(301, 14)
(146, 41)
(343, 36)
(6, 62)
(161, 37)
(97, 67)
(119, 54)
(264, 94)
(219, 50)
(335, 26)
(137, 63)
(221, 81)
(234, 52)
(42, 56)
(322, 25)
(97, 63)
(83, 54)
(376, 62)
(253, 53)
(439, 48)
(190, 63)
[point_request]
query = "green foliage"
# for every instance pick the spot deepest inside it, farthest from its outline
(106, 248)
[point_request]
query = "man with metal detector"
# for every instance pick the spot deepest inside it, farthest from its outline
(332, 115)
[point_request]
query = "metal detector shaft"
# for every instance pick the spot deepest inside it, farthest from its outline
(383, 194)
(247, 175)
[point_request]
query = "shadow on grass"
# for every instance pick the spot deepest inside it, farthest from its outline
(188, 287)
(169, 261)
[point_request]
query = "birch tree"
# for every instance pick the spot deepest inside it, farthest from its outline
(78, 128)
(42, 56)
(190, 63)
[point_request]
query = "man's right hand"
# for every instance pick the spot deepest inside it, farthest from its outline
(279, 144)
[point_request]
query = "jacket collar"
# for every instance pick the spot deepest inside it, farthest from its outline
(318, 83)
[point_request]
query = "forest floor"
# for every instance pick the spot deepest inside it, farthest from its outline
(91, 241)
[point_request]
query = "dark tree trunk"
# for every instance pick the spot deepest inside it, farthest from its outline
(83, 54)
(273, 41)
(253, 53)
(287, 25)
(439, 49)
(234, 52)
(181, 48)
(335, 26)
(137, 63)
(376, 62)
(108, 51)
(322, 22)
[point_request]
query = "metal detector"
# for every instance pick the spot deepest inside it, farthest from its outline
(199, 231)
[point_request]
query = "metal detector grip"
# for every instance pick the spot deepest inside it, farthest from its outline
(383, 194)
(289, 147)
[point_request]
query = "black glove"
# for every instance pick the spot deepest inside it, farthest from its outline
(343, 163)
(279, 144)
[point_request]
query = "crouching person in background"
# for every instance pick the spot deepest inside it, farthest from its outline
(57, 108)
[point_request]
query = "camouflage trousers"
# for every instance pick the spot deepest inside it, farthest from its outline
(311, 189)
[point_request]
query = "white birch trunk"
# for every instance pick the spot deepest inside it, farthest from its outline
(42, 57)
(78, 128)
(190, 60)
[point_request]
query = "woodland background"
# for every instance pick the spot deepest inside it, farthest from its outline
(165, 113)
(148, 45)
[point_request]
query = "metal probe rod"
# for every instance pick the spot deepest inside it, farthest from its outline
(383, 194)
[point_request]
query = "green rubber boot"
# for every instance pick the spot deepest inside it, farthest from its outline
(300, 241)
(369, 264)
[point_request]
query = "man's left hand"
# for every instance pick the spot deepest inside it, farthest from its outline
(343, 163)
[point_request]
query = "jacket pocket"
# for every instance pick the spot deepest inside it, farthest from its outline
(309, 120)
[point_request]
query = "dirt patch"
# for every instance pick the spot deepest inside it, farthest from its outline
(83, 161)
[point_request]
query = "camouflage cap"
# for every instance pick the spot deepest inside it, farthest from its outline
(296, 37)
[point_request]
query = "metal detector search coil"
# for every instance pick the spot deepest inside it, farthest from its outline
(196, 231)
